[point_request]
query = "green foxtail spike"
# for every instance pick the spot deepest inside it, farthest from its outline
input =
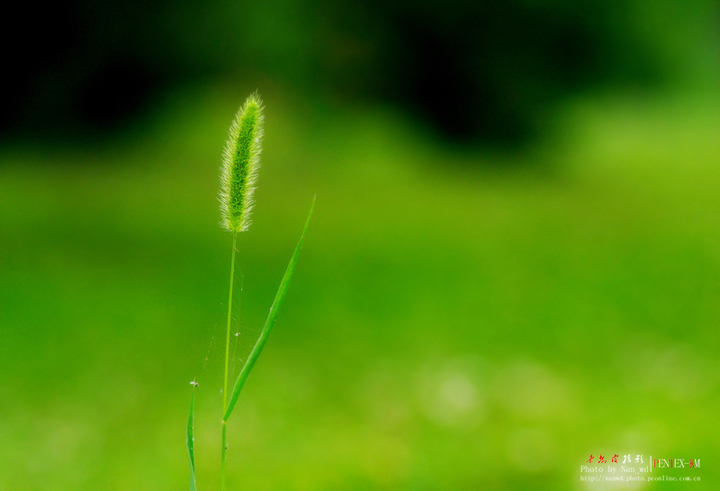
(241, 161)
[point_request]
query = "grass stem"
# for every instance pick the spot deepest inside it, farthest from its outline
(227, 363)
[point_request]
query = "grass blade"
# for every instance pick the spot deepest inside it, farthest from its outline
(191, 440)
(279, 297)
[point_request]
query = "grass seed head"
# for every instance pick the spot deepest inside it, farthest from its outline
(241, 161)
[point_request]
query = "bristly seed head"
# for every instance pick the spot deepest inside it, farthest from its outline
(241, 161)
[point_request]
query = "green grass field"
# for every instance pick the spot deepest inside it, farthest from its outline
(459, 320)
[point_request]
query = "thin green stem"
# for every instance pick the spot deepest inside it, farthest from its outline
(227, 363)
(224, 452)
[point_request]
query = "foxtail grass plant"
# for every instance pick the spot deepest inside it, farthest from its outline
(238, 175)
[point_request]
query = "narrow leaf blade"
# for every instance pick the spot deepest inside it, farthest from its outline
(191, 441)
(274, 309)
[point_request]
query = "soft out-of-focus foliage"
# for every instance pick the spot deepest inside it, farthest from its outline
(465, 327)
(461, 317)
(487, 70)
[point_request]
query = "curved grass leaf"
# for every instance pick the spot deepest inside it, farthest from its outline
(279, 297)
(191, 441)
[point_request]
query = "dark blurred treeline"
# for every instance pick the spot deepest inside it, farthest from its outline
(473, 70)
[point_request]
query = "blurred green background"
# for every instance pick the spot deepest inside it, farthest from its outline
(513, 262)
